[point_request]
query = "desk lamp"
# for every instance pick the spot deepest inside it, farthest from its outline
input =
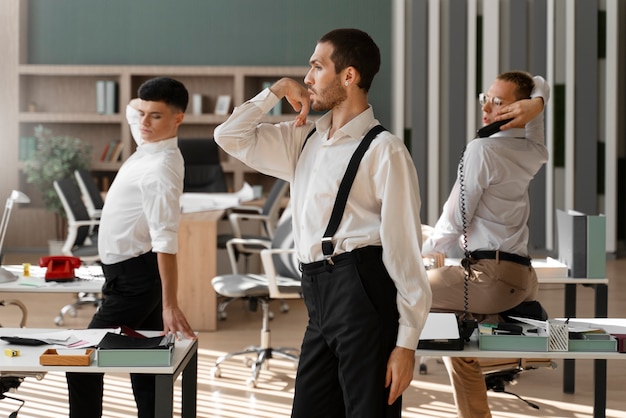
(15, 197)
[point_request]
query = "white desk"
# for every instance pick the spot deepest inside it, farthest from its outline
(184, 360)
(90, 281)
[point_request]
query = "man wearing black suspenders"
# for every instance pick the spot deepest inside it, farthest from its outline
(355, 201)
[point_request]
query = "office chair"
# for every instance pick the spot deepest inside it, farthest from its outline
(266, 218)
(280, 281)
(203, 171)
(90, 192)
(81, 241)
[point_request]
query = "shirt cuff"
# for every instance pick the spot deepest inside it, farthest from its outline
(266, 100)
(407, 337)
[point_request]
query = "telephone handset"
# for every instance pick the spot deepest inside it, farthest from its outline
(59, 268)
(492, 128)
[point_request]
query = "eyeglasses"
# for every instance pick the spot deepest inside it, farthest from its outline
(483, 99)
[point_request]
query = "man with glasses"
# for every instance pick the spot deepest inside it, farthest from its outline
(487, 214)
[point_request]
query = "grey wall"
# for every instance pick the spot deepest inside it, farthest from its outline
(209, 32)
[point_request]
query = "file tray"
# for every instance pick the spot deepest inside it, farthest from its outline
(594, 342)
(488, 341)
(51, 357)
(135, 357)
(123, 350)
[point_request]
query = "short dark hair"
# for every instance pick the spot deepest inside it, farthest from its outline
(165, 89)
(523, 81)
(353, 47)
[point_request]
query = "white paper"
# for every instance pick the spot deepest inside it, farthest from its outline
(440, 326)
(201, 202)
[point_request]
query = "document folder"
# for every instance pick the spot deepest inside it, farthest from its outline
(441, 332)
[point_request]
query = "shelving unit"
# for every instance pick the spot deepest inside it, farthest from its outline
(63, 99)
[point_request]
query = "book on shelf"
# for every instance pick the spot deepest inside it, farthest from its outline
(117, 152)
(106, 97)
(104, 153)
(100, 96)
(109, 150)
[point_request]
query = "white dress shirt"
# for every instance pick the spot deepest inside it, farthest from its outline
(383, 206)
(141, 211)
(497, 172)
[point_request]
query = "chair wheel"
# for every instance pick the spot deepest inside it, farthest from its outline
(58, 320)
(270, 315)
(250, 382)
(423, 369)
(222, 316)
(216, 373)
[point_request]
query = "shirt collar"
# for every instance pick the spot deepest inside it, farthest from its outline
(154, 147)
(511, 133)
(355, 129)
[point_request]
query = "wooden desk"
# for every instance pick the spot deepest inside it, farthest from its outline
(184, 360)
(197, 265)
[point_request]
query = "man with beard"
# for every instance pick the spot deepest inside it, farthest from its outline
(364, 282)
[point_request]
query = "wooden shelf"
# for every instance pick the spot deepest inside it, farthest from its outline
(63, 98)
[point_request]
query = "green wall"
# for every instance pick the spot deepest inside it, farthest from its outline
(203, 32)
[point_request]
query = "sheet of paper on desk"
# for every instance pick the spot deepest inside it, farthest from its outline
(440, 326)
(200, 202)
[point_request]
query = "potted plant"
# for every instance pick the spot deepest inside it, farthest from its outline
(56, 158)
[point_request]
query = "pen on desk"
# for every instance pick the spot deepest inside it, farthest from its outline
(567, 321)
(29, 284)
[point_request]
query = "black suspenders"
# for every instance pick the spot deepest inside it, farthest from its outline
(344, 190)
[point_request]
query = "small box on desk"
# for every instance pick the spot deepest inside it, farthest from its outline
(122, 350)
(593, 342)
(489, 341)
(135, 357)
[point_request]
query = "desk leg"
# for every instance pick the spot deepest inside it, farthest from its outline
(599, 398)
(164, 401)
(569, 365)
(602, 300)
(190, 387)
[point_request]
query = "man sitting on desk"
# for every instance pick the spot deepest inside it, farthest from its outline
(487, 211)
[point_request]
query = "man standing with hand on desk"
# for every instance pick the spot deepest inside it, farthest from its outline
(138, 240)
(488, 211)
(364, 285)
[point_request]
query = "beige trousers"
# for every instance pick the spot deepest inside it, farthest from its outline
(495, 286)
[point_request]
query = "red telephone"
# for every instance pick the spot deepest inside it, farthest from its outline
(59, 268)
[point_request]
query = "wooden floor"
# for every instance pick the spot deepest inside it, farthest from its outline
(229, 397)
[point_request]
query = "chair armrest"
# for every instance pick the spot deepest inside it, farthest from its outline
(235, 220)
(231, 245)
(270, 273)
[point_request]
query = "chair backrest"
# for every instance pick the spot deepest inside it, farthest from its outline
(93, 199)
(286, 264)
(203, 171)
(272, 205)
(75, 209)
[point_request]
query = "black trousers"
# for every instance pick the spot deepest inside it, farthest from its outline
(132, 297)
(352, 329)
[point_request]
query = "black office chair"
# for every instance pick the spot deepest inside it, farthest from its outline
(281, 280)
(91, 194)
(203, 171)
(265, 219)
(81, 241)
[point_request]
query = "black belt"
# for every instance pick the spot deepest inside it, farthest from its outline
(350, 257)
(500, 255)
(136, 264)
